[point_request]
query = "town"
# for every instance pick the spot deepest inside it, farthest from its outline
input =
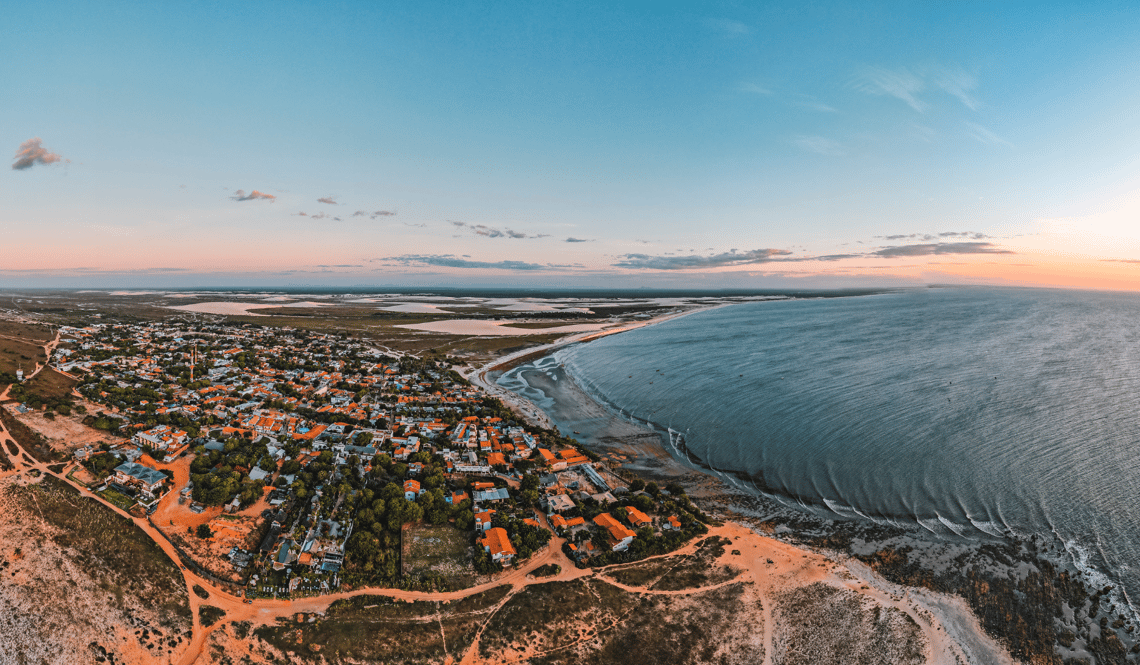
(289, 463)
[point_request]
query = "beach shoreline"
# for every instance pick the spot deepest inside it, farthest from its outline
(637, 447)
(524, 407)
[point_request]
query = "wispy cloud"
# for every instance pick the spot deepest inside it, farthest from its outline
(452, 261)
(728, 26)
(985, 136)
(732, 258)
(972, 235)
(374, 214)
(32, 152)
(906, 84)
(490, 232)
(814, 105)
(959, 84)
(578, 240)
(753, 88)
(328, 200)
(930, 249)
(670, 261)
(819, 145)
(240, 195)
(900, 84)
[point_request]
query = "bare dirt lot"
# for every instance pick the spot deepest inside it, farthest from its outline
(65, 434)
(440, 550)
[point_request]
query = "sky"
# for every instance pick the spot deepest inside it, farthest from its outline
(570, 144)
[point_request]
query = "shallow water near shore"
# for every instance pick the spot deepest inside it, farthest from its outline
(969, 413)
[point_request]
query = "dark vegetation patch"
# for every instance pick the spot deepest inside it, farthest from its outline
(547, 570)
(210, 615)
(1019, 612)
(107, 546)
(200, 592)
(5, 463)
(361, 627)
(241, 629)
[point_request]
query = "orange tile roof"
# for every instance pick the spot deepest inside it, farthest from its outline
(637, 517)
(497, 542)
(618, 531)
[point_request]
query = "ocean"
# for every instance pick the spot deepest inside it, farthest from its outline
(963, 412)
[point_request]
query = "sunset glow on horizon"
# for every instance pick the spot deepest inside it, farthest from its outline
(571, 145)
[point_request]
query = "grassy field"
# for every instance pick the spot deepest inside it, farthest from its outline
(50, 384)
(118, 499)
(366, 627)
(27, 331)
(439, 550)
(107, 546)
(16, 355)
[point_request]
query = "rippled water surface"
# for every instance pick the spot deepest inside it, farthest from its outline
(963, 410)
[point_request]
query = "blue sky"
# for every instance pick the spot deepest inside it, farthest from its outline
(682, 143)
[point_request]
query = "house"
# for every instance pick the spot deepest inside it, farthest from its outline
(672, 524)
(637, 518)
(483, 520)
(560, 522)
(137, 476)
(457, 498)
(498, 545)
(412, 489)
(283, 555)
(556, 503)
(492, 495)
(620, 535)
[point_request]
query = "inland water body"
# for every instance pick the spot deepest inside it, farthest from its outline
(964, 412)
